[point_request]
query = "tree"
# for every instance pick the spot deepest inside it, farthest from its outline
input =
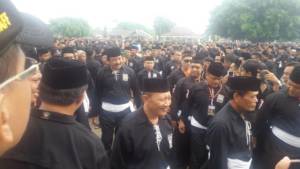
(162, 25)
(70, 27)
(257, 20)
(131, 26)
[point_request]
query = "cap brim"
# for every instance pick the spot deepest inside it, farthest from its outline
(35, 32)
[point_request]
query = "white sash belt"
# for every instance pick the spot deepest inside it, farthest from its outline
(286, 137)
(238, 164)
(195, 123)
(115, 108)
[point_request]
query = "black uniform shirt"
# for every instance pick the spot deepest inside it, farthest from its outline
(137, 146)
(179, 106)
(277, 130)
(228, 139)
(136, 63)
(144, 74)
(174, 77)
(56, 141)
(116, 88)
(199, 100)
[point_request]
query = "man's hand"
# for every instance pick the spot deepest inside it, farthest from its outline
(283, 163)
(181, 126)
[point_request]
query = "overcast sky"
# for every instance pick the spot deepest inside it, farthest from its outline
(193, 14)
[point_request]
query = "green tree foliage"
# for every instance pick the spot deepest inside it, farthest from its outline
(131, 26)
(257, 20)
(162, 25)
(70, 27)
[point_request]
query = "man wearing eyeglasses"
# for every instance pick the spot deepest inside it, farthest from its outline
(15, 93)
(181, 72)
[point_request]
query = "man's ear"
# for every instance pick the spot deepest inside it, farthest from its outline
(145, 97)
(6, 135)
(80, 99)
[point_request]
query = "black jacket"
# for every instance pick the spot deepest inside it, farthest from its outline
(136, 144)
(56, 141)
(117, 88)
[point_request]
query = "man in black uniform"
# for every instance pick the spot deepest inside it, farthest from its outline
(53, 138)
(277, 128)
(144, 140)
(114, 86)
(148, 72)
(205, 99)
(180, 114)
(174, 63)
(135, 62)
(181, 72)
(229, 133)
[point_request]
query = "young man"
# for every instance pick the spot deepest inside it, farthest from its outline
(204, 101)
(180, 114)
(181, 72)
(144, 139)
(229, 133)
(53, 138)
(277, 126)
(148, 72)
(114, 86)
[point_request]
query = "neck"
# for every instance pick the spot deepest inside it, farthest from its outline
(236, 107)
(150, 115)
(67, 110)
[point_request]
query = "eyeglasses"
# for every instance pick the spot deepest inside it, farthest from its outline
(187, 60)
(21, 76)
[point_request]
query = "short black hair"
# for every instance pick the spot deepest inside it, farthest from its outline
(63, 97)
(252, 66)
(231, 93)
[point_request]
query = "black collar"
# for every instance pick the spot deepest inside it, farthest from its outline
(53, 116)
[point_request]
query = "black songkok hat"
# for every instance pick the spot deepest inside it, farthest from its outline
(197, 59)
(244, 83)
(295, 75)
(156, 85)
(216, 69)
(68, 50)
(11, 24)
(60, 73)
(113, 52)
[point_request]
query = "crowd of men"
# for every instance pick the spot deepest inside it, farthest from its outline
(160, 105)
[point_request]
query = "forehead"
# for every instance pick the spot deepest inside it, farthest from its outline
(115, 58)
(149, 61)
(196, 65)
(160, 94)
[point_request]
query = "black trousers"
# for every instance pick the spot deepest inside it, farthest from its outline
(199, 152)
(181, 148)
(109, 122)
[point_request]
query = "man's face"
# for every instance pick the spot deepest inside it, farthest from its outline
(186, 62)
(247, 102)
(218, 59)
(115, 62)
(149, 65)
(16, 117)
(158, 103)
(45, 57)
(286, 74)
(82, 57)
(213, 81)
(133, 52)
(69, 56)
(293, 88)
(177, 56)
(196, 70)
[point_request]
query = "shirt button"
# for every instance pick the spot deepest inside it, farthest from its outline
(45, 115)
